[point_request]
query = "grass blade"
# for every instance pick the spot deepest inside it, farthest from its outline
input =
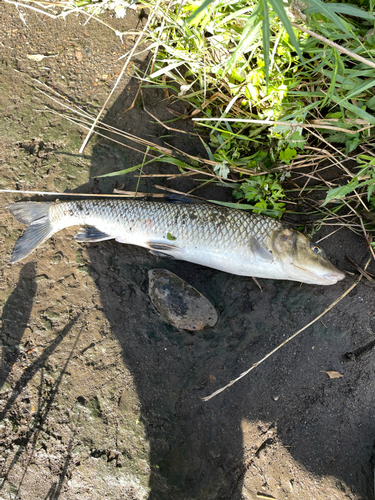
(341, 8)
(200, 9)
(279, 8)
(322, 7)
(266, 39)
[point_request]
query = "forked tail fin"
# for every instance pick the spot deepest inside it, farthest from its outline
(36, 216)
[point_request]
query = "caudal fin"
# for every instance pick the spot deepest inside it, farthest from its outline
(36, 216)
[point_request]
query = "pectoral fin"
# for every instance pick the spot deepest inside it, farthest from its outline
(259, 252)
(162, 249)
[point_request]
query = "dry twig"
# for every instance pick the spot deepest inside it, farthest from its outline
(232, 382)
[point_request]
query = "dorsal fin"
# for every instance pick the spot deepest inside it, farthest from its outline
(182, 198)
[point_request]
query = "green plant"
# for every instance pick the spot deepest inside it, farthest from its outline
(264, 192)
(275, 90)
(267, 88)
(364, 179)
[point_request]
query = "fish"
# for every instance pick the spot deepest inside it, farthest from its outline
(230, 240)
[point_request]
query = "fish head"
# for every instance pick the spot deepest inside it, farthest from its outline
(302, 259)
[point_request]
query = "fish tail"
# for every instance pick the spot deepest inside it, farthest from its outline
(36, 216)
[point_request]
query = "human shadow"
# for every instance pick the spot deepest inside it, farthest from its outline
(196, 448)
(15, 318)
(26, 444)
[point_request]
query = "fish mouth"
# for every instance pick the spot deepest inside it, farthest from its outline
(325, 279)
(334, 278)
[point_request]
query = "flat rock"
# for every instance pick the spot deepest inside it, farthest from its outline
(180, 304)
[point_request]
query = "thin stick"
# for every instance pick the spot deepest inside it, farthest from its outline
(81, 10)
(133, 194)
(360, 270)
(18, 4)
(119, 193)
(321, 138)
(367, 237)
(57, 4)
(330, 234)
(88, 195)
(137, 42)
(179, 192)
(335, 45)
(169, 176)
(63, 14)
(287, 124)
(165, 125)
(232, 382)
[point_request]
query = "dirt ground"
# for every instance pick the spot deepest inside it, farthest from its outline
(100, 398)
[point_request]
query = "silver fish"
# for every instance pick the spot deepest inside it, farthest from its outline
(230, 240)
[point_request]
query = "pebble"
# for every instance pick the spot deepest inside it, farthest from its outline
(180, 304)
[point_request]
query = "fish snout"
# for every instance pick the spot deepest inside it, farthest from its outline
(333, 278)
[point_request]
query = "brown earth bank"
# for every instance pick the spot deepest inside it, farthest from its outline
(100, 398)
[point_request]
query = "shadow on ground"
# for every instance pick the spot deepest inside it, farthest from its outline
(200, 450)
(248, 439)
(15, 317)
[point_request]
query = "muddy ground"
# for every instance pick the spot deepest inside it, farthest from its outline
(101, 398)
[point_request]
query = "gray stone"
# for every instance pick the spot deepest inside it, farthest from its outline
(180, 304)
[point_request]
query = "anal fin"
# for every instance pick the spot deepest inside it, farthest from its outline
(162, 247)
(91, 234)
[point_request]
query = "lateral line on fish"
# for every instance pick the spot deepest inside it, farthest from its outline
(255, 365)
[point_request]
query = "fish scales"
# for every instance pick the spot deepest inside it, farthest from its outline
(200, 224)
(226, 239)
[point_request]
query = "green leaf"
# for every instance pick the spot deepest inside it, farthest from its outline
(332, 85)
(120, 172)
(341, 8)
(371, 103)
(200, 9)
(370, 190)
(279, 8)
(170, 237)
(173, 161)
(243, 206)
(354, 109)
(352, 143)
(338, 137)
(341, 191)
(319, 6)
(287, 155)
(164, 70)
(358, 90)
(208, 150)
(296, 139)
(249, 34)
(266, 39)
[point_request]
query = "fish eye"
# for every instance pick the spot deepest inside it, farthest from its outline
(314, 248)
